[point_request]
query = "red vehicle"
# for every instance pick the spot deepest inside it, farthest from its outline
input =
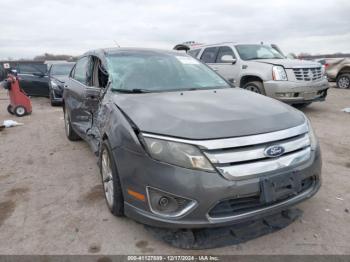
(20, 104)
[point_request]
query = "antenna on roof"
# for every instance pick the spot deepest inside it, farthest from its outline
(116, 43)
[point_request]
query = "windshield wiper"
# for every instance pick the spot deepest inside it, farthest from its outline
(132, 91)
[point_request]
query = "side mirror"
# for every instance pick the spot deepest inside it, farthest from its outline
(228, 59)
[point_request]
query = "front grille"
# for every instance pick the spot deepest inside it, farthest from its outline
(246, 156)
(308, 74)
(238, 206)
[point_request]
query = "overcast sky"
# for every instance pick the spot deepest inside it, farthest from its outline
(33, 27)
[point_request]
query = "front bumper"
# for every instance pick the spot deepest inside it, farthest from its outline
(294, 92)
(56, 95)
(208, 189)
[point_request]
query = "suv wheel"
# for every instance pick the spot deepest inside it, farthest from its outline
(343, 81)
(255, 86)
(110, 180)
(70, 133)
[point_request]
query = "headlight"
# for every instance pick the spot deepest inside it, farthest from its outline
(178, 154)
(313, 138)
(323, 70)
(54, 84)
(279, 74)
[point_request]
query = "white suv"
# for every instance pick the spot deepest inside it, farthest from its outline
(265, 70)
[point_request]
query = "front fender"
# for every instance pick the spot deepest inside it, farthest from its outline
(118, 129)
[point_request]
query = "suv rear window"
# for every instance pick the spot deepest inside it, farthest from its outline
(194, 52)
(30, 68)
(209, 55)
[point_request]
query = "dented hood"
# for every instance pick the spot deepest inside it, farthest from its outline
(289, 63)
(207, 114)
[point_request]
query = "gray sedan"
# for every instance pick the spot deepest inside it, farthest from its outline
(178, 147)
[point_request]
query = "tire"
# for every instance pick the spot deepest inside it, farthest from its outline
(20, 111)
(255, 86)
(70, 133)
(9, 109)
(343, 81)
(110, 180)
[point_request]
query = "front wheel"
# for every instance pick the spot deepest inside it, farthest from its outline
(343, 81)
(110, 180)
(255, 86)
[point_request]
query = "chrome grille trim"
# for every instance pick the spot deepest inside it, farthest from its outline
(247, 170)
(256, 152)
(308, 74)
(213, 144)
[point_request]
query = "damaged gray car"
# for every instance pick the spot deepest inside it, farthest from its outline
(178, 147)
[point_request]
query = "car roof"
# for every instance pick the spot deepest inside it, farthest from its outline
(225, 43)
(115, 50)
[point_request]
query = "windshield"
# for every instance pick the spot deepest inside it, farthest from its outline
(156, 72)
(61, 69)
(251, 52)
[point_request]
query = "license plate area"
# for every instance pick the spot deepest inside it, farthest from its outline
(278, 188)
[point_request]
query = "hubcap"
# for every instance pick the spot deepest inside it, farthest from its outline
(344, 82)
(253, 89)
(66, 122)
(20, 111)
(107, 178)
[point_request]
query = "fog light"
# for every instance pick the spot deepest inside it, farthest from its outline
(163, 201)
(285, 94)
(168, 205)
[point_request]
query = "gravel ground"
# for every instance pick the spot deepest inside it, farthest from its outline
(51, 199)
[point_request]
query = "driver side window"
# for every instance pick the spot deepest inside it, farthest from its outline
(83, 71)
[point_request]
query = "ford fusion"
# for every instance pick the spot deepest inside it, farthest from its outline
(179, 148)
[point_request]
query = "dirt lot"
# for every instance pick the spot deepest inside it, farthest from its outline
(51, 199)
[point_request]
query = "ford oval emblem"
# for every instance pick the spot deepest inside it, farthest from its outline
(274, 151)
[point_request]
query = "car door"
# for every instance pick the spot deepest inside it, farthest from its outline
(75, 92)
(228, 70)
(33, 79)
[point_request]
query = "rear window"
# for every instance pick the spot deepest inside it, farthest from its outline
(30, 68)
(194, 52)
(61, 69)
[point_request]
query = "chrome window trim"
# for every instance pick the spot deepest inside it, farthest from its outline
(211, 144)
(249, 170)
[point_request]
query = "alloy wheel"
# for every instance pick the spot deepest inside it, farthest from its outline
(107, 178)
(344, 82)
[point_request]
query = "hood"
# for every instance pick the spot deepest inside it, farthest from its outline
(60, 78)
(207, 114)
(289, 63)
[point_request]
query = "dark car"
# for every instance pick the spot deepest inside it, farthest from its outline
(178, 147)
(33, 78)
(58, 75)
